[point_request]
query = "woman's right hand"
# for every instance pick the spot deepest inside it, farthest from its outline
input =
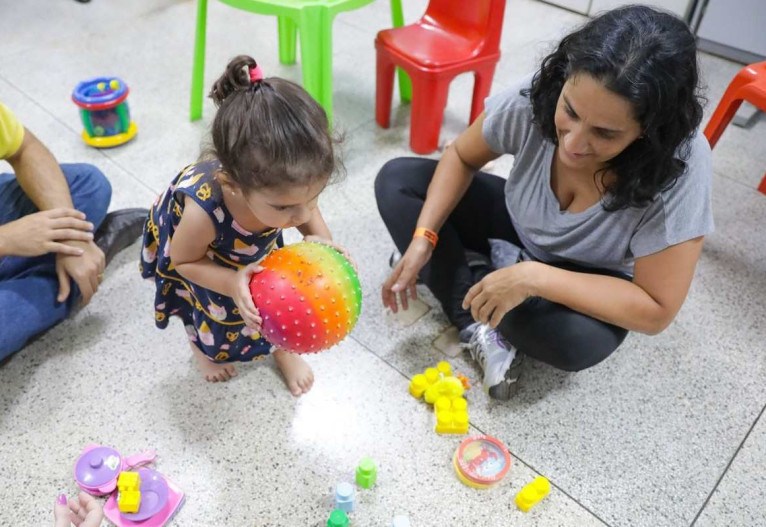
(403, 278)
(244, 299)
(83, 511)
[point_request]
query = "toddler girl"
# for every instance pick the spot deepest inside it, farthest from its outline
(272, 156)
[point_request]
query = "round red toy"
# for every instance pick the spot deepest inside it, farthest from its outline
(308, 296)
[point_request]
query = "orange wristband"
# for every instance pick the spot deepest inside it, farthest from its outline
(428, 234)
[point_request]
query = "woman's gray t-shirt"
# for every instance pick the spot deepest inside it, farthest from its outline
(594, 237)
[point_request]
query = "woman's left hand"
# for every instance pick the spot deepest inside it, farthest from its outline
(342, 250)
(500, 291)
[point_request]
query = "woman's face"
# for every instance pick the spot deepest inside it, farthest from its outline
(593, 124)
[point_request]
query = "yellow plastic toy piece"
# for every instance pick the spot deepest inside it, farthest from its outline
(114, 84)
(128, 481)
(129, 500)
(451, 415)
(129, 495)
(111, 140)
(420, 382)
(449, 387)
(532, 493)
(444, 368)
(418, 385)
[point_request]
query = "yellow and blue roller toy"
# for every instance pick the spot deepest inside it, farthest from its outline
(104, 112)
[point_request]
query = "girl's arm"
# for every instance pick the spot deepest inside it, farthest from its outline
(188, 249)
(648, 304)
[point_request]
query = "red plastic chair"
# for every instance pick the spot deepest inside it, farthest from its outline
(451, 38)
(748, 85)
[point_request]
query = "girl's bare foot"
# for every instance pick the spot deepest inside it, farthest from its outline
(213, 371)
(296, 371)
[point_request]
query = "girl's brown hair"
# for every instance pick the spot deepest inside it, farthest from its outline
(269, 133)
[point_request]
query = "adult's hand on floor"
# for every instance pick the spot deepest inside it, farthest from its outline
(403, 279)
(84, 511)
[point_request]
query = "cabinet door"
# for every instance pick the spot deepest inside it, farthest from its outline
(581, 6)
(736, 24)
(679, 7)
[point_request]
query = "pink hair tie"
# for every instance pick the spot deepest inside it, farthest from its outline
(256, 74)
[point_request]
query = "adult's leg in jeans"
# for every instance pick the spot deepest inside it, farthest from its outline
(400, 190)
(29, 286)
(559, 336)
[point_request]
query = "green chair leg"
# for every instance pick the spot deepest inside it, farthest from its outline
(288, 32)
(405, 84)
(316, 54)
(198, 68)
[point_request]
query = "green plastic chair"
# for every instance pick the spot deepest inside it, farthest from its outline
(312, 19)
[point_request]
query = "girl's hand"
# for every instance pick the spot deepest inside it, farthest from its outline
(403, 279)
(500, 291)
(342, 250)
(244, 299)
(85, 511)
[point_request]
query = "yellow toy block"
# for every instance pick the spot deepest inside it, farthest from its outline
(129, 491)
(444, 368)
(418, 385)
(128, 481)
(420, 382)
(449, 387)
(532, 493)
(451, 415)
(129, 500)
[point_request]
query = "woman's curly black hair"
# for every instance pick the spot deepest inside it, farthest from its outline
(649, 57)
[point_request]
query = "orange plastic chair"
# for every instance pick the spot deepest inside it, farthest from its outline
(451, 38)
(748, 85)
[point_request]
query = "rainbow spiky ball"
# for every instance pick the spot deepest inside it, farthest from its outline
(308, 296)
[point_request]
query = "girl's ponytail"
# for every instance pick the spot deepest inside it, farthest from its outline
(235, 78)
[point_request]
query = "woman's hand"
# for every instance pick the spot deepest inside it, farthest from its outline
(403, 279)
(244, 299)
(500, 291)
(85, 511)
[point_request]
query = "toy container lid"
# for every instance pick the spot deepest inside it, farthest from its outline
(483, 459)
(97, 467)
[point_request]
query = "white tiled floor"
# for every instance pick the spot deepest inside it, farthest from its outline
(668, 431)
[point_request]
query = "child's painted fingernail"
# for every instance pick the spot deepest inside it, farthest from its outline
(62, 499)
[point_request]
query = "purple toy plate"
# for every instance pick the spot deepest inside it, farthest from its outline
(97, 467)
(154, 495)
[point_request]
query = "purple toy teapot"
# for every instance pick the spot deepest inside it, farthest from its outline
(98, 466)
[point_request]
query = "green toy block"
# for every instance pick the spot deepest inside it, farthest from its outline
(366, 473)
(337, 518)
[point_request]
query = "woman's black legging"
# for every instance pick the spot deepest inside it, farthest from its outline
(549, 332)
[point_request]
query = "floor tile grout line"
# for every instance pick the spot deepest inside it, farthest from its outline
(481, 430)
(66, 126)
(728, 466)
